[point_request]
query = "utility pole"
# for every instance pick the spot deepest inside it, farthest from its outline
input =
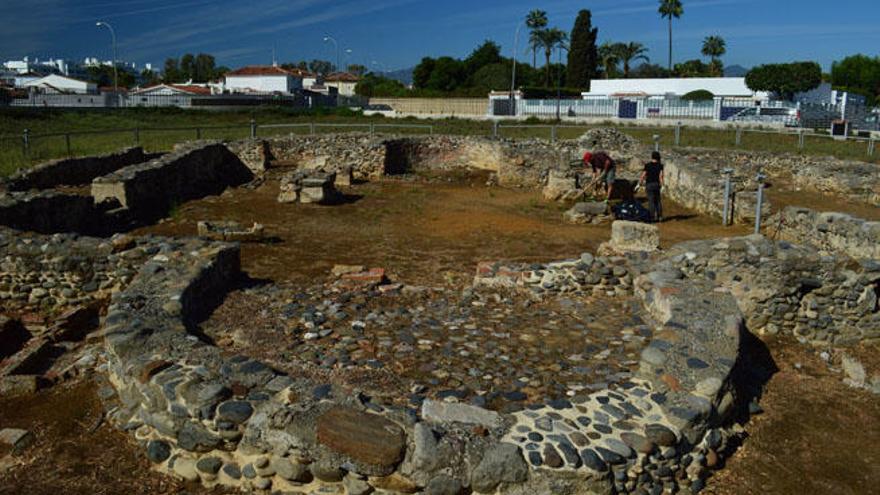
(113, 38)
(513, 75)
(336, 45)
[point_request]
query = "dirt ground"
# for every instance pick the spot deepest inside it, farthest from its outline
(816, 436)
(422, 231)
(76, 451)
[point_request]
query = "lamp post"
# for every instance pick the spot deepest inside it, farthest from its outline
(336, 45)
(513, 75)
(113, 38)
(347, 58)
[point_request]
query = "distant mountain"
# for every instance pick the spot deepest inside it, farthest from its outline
(735, 71)
(403, 75)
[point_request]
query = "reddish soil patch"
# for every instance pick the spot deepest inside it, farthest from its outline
(424, 232)
(76, 452)
(816, 436)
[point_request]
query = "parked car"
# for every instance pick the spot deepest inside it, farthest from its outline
(385, 110)
(789, 117)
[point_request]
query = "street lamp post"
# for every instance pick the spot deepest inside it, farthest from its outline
(347, 58)
(513, 74)
(336, 45)
(113, 38)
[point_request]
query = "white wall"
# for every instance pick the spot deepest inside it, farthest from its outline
(344, 88)
(719, 86)
(263, 84)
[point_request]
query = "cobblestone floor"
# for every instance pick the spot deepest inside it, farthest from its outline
(498, 350)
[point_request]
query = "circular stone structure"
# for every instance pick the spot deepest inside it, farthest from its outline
(237, 421)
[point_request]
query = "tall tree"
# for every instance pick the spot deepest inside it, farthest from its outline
(609, 59)
(187, 66)
(583, 55)
(859, 74)
(204, 68)
(715, 47)
(785, 79)
(535, 21)
(357, 69)
(628, 52)
(670, 9)
(550, 39)
(422, 72)
(322, 67)
(171, 71)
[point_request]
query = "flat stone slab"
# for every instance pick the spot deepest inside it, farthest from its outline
(447, 412)
(366, 438)
(16, 438)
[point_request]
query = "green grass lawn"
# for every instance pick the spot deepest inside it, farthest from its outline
(101, 131)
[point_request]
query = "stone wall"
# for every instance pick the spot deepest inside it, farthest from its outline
(829, 231)
(149, 190)
(786, 288)
(62, 271)
(74, 171)
(49, 212)
(236, 422)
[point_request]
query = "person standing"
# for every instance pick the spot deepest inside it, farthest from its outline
(652, 177)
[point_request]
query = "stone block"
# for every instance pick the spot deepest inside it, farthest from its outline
(585, 212)
(367, 439)
(629, 236)
(231, 231)
(447, 412)
(560, 186)
(16, 438)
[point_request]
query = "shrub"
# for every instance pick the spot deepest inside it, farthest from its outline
(698, 95)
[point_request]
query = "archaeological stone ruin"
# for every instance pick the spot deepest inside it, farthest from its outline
(206, 415)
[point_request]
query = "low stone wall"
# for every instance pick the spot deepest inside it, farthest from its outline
(236, 422)
(149, 190)
(829, 231)
(48, 212)
(74, 171)
(786, 288)
(64, 271)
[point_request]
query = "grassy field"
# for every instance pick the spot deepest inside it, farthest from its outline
(61, 133)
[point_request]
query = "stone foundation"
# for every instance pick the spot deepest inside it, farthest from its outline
(150, 190)
(74, 171)
(829, 231)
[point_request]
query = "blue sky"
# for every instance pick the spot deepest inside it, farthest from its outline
(397, 33)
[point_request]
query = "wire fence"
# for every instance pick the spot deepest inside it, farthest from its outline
(29, 148)
(22, 150)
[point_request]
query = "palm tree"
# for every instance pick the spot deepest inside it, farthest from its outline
(549, 40)
(535, 21)
(628, 52)
(715, 47)
(670, 9)
(608, 58)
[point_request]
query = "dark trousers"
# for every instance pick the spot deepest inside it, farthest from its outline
(654, 206)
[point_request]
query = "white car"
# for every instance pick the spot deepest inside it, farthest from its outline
(789, 117)
(385, 110)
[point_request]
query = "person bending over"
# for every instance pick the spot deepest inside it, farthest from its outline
(603, 169)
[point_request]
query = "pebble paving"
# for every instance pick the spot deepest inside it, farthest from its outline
(503, 351)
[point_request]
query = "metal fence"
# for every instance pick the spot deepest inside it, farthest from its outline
(28, 147)
(305, 99)
(782, 140)
(20, 150)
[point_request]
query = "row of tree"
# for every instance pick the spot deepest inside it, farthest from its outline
(199, 68)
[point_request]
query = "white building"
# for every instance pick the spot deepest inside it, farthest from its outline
(173, 90)
(26, 65)
(59, 84)
(263, 79)
(344, 82)
(728, 87)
